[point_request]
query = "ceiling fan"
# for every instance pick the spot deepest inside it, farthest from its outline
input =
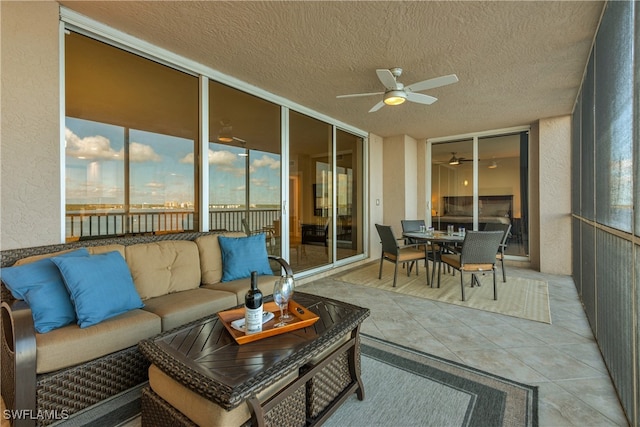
(396, 93)
(455, 161)
(226, 133)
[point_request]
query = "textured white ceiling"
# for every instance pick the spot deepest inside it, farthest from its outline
(517, 61)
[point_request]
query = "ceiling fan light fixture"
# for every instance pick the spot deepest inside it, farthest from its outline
(454, 161)
(493, 165)
(395, 97)
(226, 132)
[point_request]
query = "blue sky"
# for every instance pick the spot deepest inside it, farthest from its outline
(161, 168)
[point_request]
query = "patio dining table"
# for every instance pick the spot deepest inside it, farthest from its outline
(438, 241)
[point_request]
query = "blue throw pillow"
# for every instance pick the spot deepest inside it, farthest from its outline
(21, 278)
(242, 255)
(100, 286)
(51, 308)
(40, 284)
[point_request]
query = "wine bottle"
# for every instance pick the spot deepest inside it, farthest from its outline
(253, 307)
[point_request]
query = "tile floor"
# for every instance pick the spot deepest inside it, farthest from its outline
(562, 359)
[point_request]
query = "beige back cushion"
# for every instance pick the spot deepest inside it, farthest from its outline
(161, 268)
(211, 256)
(93, 250)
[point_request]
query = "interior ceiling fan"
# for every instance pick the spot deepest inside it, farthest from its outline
(396, 93)
(226, 133)
(454, 160)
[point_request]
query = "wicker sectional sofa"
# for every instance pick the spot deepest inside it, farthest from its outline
(178, 278)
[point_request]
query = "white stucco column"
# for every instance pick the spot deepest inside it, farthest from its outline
(400, 185)
(555, 194)
(31, 212)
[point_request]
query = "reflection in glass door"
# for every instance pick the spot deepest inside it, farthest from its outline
(349, 182)
(503, 186)
(452, 184)
(244, 164)
(310, 192)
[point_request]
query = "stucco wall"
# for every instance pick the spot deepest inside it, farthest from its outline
(393, 183)
(401, 184)
(30, 150)
(421, 179)
(376, 199)
(410, 178)
(555, 195)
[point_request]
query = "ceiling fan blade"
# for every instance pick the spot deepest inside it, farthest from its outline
(421, 98)
(353, 95)
(387, 78)
(432, 83)
(376, 107)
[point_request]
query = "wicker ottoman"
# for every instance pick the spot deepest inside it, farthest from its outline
(200, 375)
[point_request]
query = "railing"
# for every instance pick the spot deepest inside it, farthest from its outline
(101, 224)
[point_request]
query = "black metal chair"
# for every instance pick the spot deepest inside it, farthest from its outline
(398, 254)
(506, 229)
(478, 255)
(413, 225)
(409, 225)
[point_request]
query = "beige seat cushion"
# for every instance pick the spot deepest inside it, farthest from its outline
(183, 307)
(207, 413)
(454, 261)
(201, 410)
(161, 268)
(93, 250)
(70, 345)
(241, 286)
(211, 256)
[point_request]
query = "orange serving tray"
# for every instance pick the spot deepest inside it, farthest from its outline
(301, 319)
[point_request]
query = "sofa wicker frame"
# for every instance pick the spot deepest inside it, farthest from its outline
(69, 390)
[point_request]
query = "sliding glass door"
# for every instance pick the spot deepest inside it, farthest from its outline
(482, 179)
(244, 164)
(349, 190)
(135, 162)
(311, 192)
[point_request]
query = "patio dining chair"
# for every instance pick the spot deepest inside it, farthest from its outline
(409, 225)
(506, 230)
(477, 255)
(399, 254)
(413, 225)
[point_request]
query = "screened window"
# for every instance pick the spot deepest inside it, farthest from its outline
(614, 122)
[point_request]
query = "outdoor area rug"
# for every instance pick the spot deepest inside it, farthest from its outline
(518, 297)
(405, 387)
(402, 387)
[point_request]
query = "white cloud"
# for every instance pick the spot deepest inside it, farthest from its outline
(187, 159)
(154, 184)
(221, 158)
(98, 147)
(266, 161)
(139, 153)
(91, 147)
(218, 158)
(259, 182)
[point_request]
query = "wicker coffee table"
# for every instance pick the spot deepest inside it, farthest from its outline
(297, 378)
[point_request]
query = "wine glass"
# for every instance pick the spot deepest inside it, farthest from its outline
(286, 317)
(282, 291)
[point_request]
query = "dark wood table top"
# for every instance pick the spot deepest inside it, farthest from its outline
(203, 356)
